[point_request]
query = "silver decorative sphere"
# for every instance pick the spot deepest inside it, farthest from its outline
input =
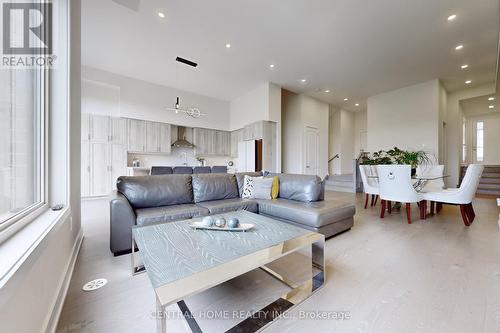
(233, 222)
(208, 221)
(220, 222)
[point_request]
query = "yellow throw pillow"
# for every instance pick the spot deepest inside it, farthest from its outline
(275, 190)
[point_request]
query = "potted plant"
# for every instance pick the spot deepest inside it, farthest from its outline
(399, 156)
(412, 158)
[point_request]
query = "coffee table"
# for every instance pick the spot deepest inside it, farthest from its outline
(181, 262)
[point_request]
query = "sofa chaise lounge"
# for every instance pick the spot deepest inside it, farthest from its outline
(164, 198)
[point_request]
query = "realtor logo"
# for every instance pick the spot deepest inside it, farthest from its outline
(27, 34)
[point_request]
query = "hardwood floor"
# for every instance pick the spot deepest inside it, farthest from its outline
(431, 276)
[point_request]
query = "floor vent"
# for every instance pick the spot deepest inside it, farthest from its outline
(94, 284)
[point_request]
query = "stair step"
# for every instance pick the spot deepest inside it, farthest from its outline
(339, 184)
(491, 175)
(489, 180)
(488, 192)
(485, 186)
(339, 188)
(495, 168)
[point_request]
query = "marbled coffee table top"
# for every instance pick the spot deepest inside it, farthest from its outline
(173, 251)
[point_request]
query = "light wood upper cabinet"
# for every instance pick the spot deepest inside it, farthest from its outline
(211, 142)
(152, 133)
(165, 138)
(136, 135)
(158, 137)
(118, 131)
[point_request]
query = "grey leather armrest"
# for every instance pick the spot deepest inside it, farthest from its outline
(122, 219)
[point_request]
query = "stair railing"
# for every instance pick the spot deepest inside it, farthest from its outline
(357, 181)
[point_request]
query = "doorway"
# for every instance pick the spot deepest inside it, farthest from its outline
(311, 150)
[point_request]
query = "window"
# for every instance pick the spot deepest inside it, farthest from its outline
(22, 153)
(480, 141)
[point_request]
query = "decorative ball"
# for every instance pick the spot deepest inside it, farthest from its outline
(233, 222)
(208, 221)
(220, 222)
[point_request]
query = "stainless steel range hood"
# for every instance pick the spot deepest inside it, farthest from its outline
(181, 141)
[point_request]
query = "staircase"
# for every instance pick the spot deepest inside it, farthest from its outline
(340, 183)
(490, 181)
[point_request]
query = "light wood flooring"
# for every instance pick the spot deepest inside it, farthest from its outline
(430, 276)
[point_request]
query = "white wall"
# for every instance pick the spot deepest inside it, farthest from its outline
(292, 135)
(360, 132)
(249, 108)
(261, 103)
(299, 112)
(347, 136)
(454, 118)
(334, 140)
(407, 118)
(443, 101)
(144, 100)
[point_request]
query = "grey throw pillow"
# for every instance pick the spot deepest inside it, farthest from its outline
(262, 188)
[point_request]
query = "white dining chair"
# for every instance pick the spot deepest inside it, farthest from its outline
(370, 183)
(395, 185)
(433, 185)
(462, 196)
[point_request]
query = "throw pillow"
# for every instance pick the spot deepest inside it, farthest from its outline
(276, 187)
(262, 188)
(248, 187)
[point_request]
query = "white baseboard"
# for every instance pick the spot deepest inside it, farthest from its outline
(63, 289)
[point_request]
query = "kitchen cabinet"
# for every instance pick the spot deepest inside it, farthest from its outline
(136, 135)
(260, 130)
(165, 138)
(118, 131)
(253, 131)
(85, 168)
(210, 142)
(99, 128)
(149, 137)
(100, 169)
(118, 163)
(236, 137)
(103, 153)
(222, 143)
(152, 132)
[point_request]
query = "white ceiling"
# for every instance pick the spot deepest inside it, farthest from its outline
(355, 48)
(480, 105)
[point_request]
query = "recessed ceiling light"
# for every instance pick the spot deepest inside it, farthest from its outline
(459, 47)
(464, 66)
(468, 82)
(161, 15)
(491, 99)
(452, 17)
(357, 104)
(228, 45)
(303, 80)
(491, 106)
(327, 90)
(271, 66)
(346, 99)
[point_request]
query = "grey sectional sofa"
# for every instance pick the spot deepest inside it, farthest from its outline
(164, 198)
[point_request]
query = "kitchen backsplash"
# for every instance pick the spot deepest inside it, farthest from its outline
(178, 156)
